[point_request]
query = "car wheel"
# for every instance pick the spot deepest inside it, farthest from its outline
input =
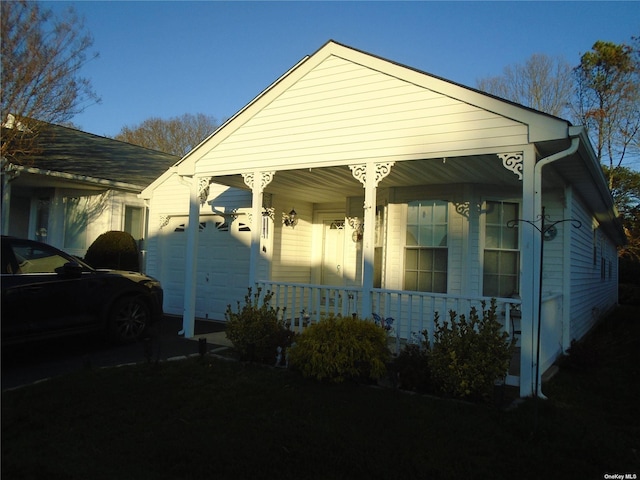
(129, 318)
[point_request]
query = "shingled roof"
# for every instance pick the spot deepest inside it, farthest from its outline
(66, 150)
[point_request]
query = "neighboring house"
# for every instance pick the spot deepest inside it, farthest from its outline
(408, 190)
(74, 186)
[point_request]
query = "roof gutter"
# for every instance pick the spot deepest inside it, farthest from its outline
(84, 179)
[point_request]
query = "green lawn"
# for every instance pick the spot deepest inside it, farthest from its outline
(210, 418)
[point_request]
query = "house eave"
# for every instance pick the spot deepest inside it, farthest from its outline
(83, 180)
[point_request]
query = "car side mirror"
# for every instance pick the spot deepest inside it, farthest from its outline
(71, 269)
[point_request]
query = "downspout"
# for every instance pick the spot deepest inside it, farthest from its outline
(573, 148)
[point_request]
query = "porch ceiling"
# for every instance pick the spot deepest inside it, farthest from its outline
(330, 184)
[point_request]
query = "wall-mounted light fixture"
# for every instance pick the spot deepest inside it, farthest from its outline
(290, 219)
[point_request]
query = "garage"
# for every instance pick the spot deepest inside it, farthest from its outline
(222, 263)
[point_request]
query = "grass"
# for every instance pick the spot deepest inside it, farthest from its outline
(214, 418)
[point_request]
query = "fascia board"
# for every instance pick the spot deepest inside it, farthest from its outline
(84, 179)
(147, 193)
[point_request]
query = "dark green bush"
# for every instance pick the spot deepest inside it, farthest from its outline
(114, 250)
(468, 355)
(581, 356)
(411, 368)
(341, 348)
(255, 330)
(629, 294)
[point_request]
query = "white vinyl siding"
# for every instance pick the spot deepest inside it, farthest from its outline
(341, 112)
(292, 246)
(591, 296)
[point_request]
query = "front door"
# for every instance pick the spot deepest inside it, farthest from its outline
(332, 272)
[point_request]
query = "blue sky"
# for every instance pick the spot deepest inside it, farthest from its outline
(167, 58)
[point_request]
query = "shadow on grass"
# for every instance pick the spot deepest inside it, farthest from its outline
(208, 417)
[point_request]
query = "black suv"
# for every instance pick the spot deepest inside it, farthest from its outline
(46, 292)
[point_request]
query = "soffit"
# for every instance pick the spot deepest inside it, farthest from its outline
(331, 184)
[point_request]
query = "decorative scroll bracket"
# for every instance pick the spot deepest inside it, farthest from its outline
(359, 172)
(269, 212)
(265, 179)
(203, 189)
(164, 221)
(513, 162)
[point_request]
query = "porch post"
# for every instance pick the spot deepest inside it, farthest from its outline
(191, 255)
(531, 203)
(8, 174)
(369, 175)
(257, 181)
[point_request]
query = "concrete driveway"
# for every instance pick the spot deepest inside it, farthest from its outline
(37, 361)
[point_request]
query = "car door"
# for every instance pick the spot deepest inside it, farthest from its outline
(14, 324)
(47, 292)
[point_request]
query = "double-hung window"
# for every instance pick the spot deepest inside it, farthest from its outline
(502, 251)
(426, 252)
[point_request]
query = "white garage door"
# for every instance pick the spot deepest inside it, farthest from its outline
(222, 265)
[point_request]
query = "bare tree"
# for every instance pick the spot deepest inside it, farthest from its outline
(42, 56)
(543, 83)
(176, 135)
(608, 103)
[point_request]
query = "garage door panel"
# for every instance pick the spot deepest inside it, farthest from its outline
(222, 267)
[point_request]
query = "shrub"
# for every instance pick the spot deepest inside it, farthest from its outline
(114, 250)
(468, 355)
(255, 330)
(629, 294)
(411, 367)
(581, 356)
(340, 348)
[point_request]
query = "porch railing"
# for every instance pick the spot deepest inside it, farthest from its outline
(412, 312)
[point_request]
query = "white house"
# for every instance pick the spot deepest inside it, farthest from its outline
(72, 186)
(412, 194)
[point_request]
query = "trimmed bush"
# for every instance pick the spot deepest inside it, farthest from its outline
(341, 348)
(255, 330)
(468, 355)
(411, 368)
(114, 250)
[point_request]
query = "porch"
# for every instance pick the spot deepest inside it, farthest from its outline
(412, 313)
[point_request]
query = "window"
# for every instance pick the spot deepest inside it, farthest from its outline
(501, 253)
(133, 222)
(37, 259)
(426, 252)
(76, 219)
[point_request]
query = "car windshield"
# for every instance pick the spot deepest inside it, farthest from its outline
(41, 259)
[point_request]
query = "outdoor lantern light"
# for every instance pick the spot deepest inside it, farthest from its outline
(290, 219)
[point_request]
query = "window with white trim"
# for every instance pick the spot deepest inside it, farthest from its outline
(502, 251)
(426, 252)
(134, 221)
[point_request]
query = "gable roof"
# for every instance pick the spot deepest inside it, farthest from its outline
(342, 106)
(73, 154)
(539, 127)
